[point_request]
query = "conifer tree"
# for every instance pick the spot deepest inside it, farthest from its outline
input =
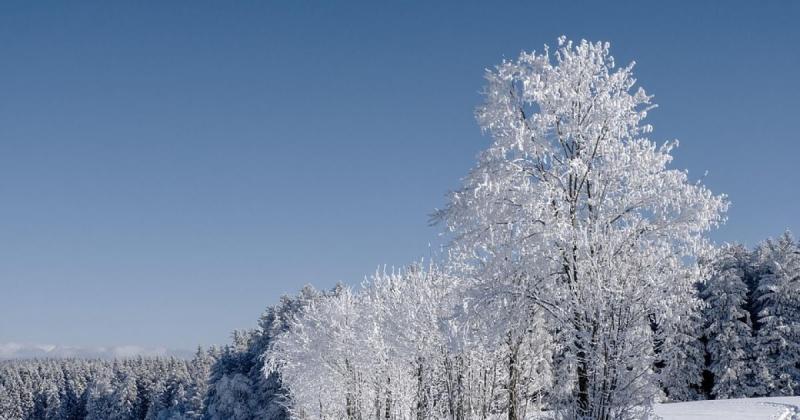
(778, 323)
(728, 328)
(681, 353)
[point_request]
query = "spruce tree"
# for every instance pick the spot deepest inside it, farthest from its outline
(778, 334)
(728, 328)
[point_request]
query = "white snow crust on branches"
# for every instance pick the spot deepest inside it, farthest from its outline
(573, 211)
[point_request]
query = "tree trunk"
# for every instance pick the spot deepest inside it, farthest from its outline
(388, 414)
(422, 395)
(513, 379)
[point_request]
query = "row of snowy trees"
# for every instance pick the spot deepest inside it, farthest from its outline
(401, 348)
(414, 344)
(417, 344)
(137, 388)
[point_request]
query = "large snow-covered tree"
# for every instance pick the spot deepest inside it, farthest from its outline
(574, 210)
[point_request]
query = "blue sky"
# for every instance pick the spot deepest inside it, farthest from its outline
(169, 169)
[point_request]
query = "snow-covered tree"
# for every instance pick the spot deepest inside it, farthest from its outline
(271, 396)
(778, 323)
(100, 402)
(680, 351)
(405, 310)
(728, 330)
(231, 390)
(200, 370)
(233, 398)
(439, 365)
(506, 338)
(321, 356)
(9, 403)
(574, 210)
(48, 404)
(124, 395)
(237, 383)
(406, 346)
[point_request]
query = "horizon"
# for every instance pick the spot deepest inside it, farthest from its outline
(168, 172)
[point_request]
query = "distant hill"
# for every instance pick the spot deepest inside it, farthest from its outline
(51, 351)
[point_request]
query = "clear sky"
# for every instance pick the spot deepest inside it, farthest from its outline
(169, 169)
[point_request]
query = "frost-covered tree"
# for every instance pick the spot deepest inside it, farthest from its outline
(377, 351)
(124, 395)
(440, 365)
(511, 338)
(233, 398)
(48, 403)
(778, 323)
(728, 330)
(271, 396)
(573, 209)
(200, 370)
(405, 309)
(8, 403)
(230, 393)
(100, 402)
(680, 351)
(406, 346)
(237, 382)
(322, 358)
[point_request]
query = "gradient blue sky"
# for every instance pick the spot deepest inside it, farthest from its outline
(169, 169)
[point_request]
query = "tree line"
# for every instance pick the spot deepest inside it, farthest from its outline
(136, 388)
(742, 341)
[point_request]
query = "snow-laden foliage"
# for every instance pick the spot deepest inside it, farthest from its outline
(680, 351)
(728, 329)
(401, 348)
(339, 360)
(238, 388)
(139, 388)
(573, 211)
(778, 334)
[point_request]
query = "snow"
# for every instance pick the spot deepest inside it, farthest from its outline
(777, 408)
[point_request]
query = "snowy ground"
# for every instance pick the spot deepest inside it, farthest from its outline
(777, 408)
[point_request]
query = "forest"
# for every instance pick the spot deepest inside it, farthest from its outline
(579, 282)
(738, 343)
